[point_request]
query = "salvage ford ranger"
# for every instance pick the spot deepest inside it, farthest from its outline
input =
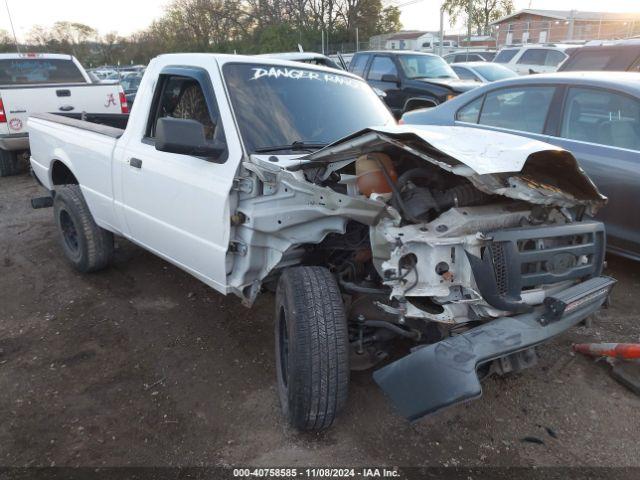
(469, 247)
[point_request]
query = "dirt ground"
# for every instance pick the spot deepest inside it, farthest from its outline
(143, 365)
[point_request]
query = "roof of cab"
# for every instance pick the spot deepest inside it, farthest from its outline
(225, 58)
(395, 52)
(51, 56)
(623, 81)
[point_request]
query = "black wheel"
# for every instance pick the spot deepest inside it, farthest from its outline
(9, 163)
(312, 354)
(87, 246)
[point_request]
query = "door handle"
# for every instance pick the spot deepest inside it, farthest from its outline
(135, 162)
(66, 108)
(63, 93)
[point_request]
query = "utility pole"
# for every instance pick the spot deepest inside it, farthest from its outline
(441, 30)
(469, 14)
(13, 30)
(357, 41)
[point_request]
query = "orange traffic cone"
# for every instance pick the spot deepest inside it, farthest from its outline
(626, 351)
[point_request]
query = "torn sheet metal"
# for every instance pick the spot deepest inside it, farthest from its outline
(495, 162)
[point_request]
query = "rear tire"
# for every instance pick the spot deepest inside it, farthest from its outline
(87, 246)
(9, 163)
(312, 347)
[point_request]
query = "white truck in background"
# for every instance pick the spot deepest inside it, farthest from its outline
(47, 83)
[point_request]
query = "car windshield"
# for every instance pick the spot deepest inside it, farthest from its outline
(34, 71)
(425, 66)
(277, 106)
(493, 72)
(131, 83)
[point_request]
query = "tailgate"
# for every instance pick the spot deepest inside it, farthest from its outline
(21, 102)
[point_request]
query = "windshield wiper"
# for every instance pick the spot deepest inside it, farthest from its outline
(298, 145)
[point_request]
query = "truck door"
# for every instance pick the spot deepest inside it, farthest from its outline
(600, 128)
(384, 75)
(178, 205)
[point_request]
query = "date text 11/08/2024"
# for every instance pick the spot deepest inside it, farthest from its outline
(316, 472)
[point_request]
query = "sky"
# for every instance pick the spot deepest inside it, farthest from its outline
(127, 16)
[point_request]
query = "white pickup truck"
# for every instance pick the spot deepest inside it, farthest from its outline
(249, 172)
(37, 83)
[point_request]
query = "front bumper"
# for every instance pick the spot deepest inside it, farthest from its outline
(18, 141)
(444, 373)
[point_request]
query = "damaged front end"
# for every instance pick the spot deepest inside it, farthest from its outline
(456, 239)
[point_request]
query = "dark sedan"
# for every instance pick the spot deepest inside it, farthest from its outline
(410, 80)
(595, 115)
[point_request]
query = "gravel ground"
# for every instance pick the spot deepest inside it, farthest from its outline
(143, 365)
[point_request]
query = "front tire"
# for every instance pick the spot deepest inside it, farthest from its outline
(312, 355)
(87, 246)
(9, 163)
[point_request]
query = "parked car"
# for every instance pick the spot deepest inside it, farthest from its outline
(596, 116)
(526, 59)
(409, 80)
(470, 56)
(433, 46)
(130, 85)
(42, 82)
(621, 56)
(483, 72)
(244, 171)
(311, 58)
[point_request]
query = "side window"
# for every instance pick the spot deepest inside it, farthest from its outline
(636, 66)
(603, 117)
(533, 56)
(505, 56)
(358, 64)
(183, 97)
(523, 109)
(382, 66)
(588, 61)
(554, 57)
(469, 113)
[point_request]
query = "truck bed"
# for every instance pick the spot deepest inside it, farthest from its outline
(112, 125)
(61, 143)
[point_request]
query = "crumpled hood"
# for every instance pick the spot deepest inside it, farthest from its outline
(454, 84)
(495, 162)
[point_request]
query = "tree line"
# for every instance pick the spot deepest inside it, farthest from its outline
(241, 26)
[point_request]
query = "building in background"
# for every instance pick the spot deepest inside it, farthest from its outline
(411, 40)
(558, 26)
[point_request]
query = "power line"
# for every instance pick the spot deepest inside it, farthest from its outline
(15, 39)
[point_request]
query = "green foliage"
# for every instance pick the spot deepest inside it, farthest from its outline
(242, 26)
(483, 12)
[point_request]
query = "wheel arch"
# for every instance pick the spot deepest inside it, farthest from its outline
(62, 174)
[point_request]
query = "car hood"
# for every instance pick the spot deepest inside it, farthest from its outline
(454, 84)
(495, 162)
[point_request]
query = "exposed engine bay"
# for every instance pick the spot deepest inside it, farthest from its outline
(428, 231)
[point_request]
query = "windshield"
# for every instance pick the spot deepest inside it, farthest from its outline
(33, 71)
(495, 72)
(130, 83)
(277, 105)
(425, 66)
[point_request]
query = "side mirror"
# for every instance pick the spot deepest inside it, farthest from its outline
(390, 78)
(185, 137)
